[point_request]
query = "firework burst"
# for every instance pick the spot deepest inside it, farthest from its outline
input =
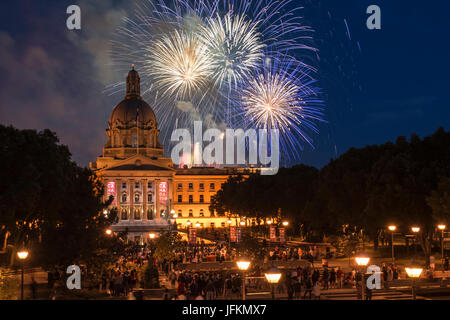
(234, 45)
(282, 97)
(179, 65)
(204, 59)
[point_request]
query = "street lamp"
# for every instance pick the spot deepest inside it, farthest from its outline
(413, 272)
(415, 230)
(285, 223)
(243, 264)
(197, 224)
(108, 232)
(188, 223)
(392, 228)
(242, 223)
(442, 227)
(273, 276)
(362, 260)
(22, 254)
(152, 235)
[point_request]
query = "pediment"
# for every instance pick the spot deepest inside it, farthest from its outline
(140, 162)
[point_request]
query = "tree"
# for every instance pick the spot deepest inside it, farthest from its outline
(50, 204)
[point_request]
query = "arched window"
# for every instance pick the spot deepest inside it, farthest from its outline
(137, 197)
(124, 197)
(202, 214)
(134, 141)
(137, 214)
(150, 214)
(180, 213)
(149, 197)
(124, 215)
(190, 213)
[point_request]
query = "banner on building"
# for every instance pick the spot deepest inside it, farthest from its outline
(111, 190)
(273, 233)
(282, 232)
(192, 235)
(163, 193)
(233, 234)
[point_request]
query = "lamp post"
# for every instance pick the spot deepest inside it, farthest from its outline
(416, 230)
(229, 221)
(392, 228)
(362, 260)
(273, 276)
(442, 227)
(413, 272)
(22, 254)
(243, 264)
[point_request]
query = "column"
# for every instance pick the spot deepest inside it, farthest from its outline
(158, 213)
(144, 200)
(131, 183)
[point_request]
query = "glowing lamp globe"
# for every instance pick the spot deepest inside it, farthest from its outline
(285, 223)
(269, 222)
(243, 264)
(22, 254)
(229, 221)
(392, 228)
(415, 229)
(413, 271)
(108, 232)
(442, 227)
(273, 275)
(362, 259)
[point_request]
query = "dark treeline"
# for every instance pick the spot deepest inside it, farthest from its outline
(406, 183)
(48, 204)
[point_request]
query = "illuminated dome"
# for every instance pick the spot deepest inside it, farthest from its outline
(133, 107)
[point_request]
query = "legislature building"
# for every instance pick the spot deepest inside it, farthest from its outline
(150, 193)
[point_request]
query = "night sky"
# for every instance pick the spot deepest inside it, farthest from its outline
(377, 84)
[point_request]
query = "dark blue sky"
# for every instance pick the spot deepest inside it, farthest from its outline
(395, 82)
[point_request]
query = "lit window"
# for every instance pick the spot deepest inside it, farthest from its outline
(137, 214)
(150, 197)
(137, 197)
(180, 213)
(190, 213)
(180, 186)
(212, 224)
(124, 215)
(222, 224)
(124, 197)
(202, 214)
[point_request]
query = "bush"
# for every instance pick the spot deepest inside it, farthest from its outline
(150, 276)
